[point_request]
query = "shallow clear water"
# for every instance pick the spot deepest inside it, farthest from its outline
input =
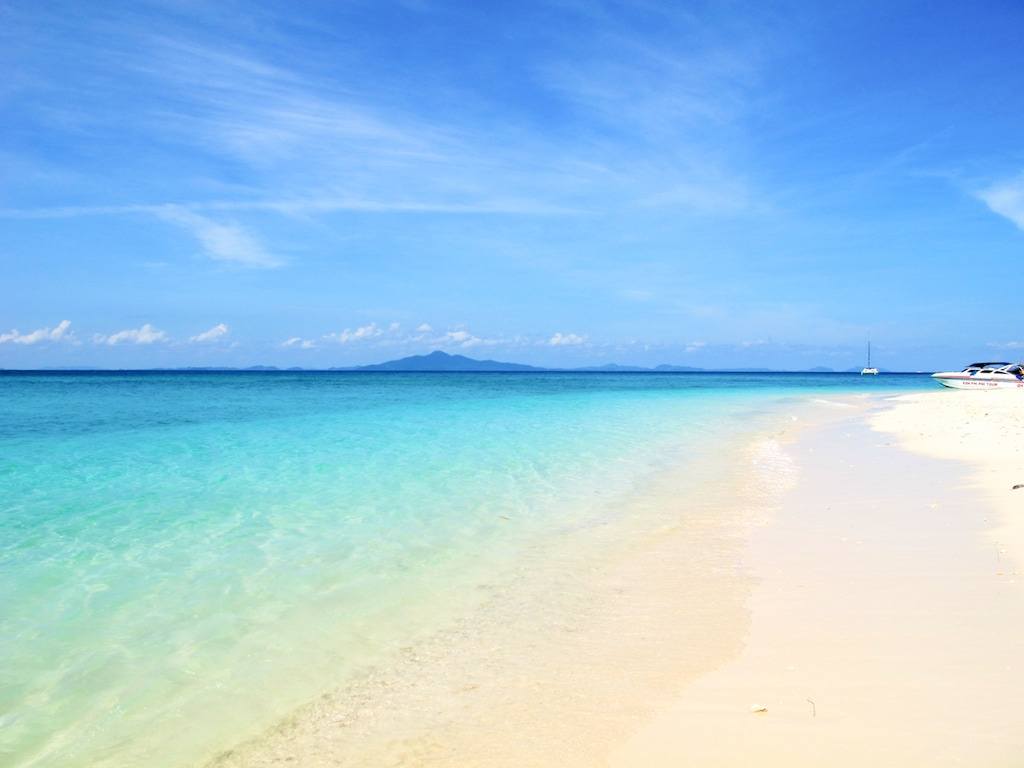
(185, 557)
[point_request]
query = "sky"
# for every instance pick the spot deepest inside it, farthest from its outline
(325, 184)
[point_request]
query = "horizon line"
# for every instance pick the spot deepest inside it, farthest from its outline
(371, 368)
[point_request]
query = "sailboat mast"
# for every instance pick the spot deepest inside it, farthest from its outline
(869, 354)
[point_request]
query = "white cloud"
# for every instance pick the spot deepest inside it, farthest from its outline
(220, 241)
(1005, 198)
(361, 333)
(696, 346)
(299, 342)
(566, 340)
(147, 334)
(464, 339)
(460, 338)
(1006, 344)
(60, 331)
(424, 328)
(213, 334)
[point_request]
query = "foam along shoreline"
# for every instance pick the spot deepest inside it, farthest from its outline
(886, 626)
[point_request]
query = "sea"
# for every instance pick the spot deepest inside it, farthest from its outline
(186, 558)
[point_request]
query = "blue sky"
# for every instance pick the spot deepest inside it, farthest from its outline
(561, 183)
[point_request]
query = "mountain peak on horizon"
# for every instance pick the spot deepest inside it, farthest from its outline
(439, 361)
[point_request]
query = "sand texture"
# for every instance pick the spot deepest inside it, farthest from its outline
(886, 627)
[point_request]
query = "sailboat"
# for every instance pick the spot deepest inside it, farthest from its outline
(868, 370)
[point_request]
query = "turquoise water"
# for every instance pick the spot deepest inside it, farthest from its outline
(186, 557)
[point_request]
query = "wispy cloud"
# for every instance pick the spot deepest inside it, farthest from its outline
(1006, 344)
(213, 334)
(623, 74)
(267, 113)
(221, 241)
(146, 334)
(1005, 198)
(240, 101)
(392, 334)
(362, 333)
(57, 333)
(371, 333)
(566, 340)
(425, 336)
(295, 206)
(707, 193)
(464, 339)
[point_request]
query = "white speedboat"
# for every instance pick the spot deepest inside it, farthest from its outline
(984, 376)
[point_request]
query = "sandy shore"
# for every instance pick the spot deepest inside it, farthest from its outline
(886, 628)
(849, 587)
(983, 429)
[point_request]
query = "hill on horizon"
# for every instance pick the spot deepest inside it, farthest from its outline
(438, 361)
(441, 362)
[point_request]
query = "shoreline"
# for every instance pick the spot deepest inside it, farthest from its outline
(836, 601)
(577, 648)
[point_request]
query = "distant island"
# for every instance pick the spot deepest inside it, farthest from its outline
(438, 361)
(443, 362)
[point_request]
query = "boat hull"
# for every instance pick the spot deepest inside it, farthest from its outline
(961, 381)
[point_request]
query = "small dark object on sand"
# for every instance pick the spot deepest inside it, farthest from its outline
(1018, 485)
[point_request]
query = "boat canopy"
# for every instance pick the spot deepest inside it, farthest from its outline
(1013, 369)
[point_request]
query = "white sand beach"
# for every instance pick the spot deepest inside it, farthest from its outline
(886, 626)
(985, 430)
